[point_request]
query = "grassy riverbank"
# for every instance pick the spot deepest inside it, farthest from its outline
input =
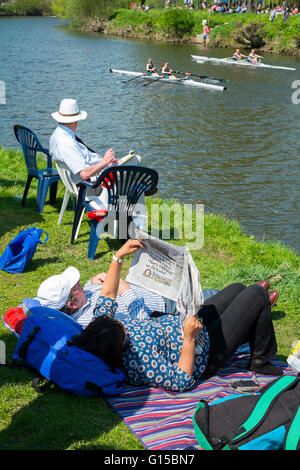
(227, 30)
(26, 7)
(56, 420)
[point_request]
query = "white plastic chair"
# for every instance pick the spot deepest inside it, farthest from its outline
(71, 190)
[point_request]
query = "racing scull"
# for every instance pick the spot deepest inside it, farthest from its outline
(180, 81)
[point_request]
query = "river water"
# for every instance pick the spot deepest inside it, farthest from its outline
(236, 152)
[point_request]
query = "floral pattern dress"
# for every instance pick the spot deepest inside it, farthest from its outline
(153, 348)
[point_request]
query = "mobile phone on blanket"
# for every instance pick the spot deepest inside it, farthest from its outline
(245, 386)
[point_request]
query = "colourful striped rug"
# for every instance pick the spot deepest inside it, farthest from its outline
(162, 420)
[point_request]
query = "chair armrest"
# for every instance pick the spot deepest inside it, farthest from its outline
(88, 184)
(49, 158)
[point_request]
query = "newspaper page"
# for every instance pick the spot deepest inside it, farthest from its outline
(168, 270)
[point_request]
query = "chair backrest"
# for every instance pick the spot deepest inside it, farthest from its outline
(30, 146)
(125, 184)
(66, 177)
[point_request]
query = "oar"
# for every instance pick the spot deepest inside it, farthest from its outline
(134, 78)
(203, 77)
(152, 81)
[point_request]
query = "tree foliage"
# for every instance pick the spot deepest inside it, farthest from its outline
(178, 22)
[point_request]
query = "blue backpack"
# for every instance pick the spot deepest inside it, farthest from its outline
(45, 344)
(268, 420)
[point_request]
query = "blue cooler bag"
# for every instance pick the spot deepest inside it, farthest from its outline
(21, 250)
(45, 344)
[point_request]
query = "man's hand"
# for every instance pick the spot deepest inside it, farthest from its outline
(98, 278)
(109, 158)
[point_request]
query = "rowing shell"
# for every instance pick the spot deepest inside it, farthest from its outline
(200, 58)
(179, 81)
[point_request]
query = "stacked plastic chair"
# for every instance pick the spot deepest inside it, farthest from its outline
(47, 178)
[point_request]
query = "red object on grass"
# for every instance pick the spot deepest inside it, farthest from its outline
(14, 318)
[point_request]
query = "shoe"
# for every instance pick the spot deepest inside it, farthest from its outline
(266, 369)
(150, 192)
(273, 297)
(264, 284)
(14, 319)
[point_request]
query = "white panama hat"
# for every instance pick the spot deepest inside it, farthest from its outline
(68, 112)
(54, 291)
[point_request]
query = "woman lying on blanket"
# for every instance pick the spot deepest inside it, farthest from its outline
(155, 352)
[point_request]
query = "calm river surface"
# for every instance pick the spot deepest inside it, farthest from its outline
(237, 151)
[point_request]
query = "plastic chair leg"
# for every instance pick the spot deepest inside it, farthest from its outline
(77, 219)
(53, 192)
(28, 183)
(63, 206)
(78, 226)
(95, 233)
(43, 186)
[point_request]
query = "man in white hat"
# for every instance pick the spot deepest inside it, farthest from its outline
(64, 292)
(68, 150)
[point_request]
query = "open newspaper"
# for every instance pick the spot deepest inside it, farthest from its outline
(167, 270)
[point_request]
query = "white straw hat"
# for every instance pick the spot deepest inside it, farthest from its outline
(68, 112)
(54, 291)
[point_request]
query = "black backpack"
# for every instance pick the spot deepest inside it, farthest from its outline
(268, 420)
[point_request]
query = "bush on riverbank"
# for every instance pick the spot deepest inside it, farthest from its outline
(78, 423)
(26, 7)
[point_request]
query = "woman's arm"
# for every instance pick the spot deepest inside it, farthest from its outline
(112, 279)
(192, 328)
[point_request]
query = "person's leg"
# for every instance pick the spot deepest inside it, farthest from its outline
(246, 318)
(215, 305)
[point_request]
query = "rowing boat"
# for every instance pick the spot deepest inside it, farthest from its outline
(180, 81)
(217, 60)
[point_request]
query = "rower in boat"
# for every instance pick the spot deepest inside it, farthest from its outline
(252, 57)
(151, 69)
(238, 56)
(166, 71)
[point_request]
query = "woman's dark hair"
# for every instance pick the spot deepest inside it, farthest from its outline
(104, 337)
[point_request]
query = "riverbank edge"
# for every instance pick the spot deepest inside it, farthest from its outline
(218, 38)
(229, 34)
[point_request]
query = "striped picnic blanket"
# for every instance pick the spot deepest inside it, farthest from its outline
(162, 420)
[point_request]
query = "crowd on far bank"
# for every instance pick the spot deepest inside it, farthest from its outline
(223, 6)
(241, 7)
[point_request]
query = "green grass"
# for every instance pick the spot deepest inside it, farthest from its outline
(56, 420)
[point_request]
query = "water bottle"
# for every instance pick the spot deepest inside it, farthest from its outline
(294, 358)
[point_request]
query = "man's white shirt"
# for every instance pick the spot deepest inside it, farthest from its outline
(64, 148)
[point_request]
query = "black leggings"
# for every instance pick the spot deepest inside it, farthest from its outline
(238, 315)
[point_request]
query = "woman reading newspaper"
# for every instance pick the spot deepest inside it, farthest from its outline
(156, 352)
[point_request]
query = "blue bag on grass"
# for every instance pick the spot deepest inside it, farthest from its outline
(21, 250)
(45, 344)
